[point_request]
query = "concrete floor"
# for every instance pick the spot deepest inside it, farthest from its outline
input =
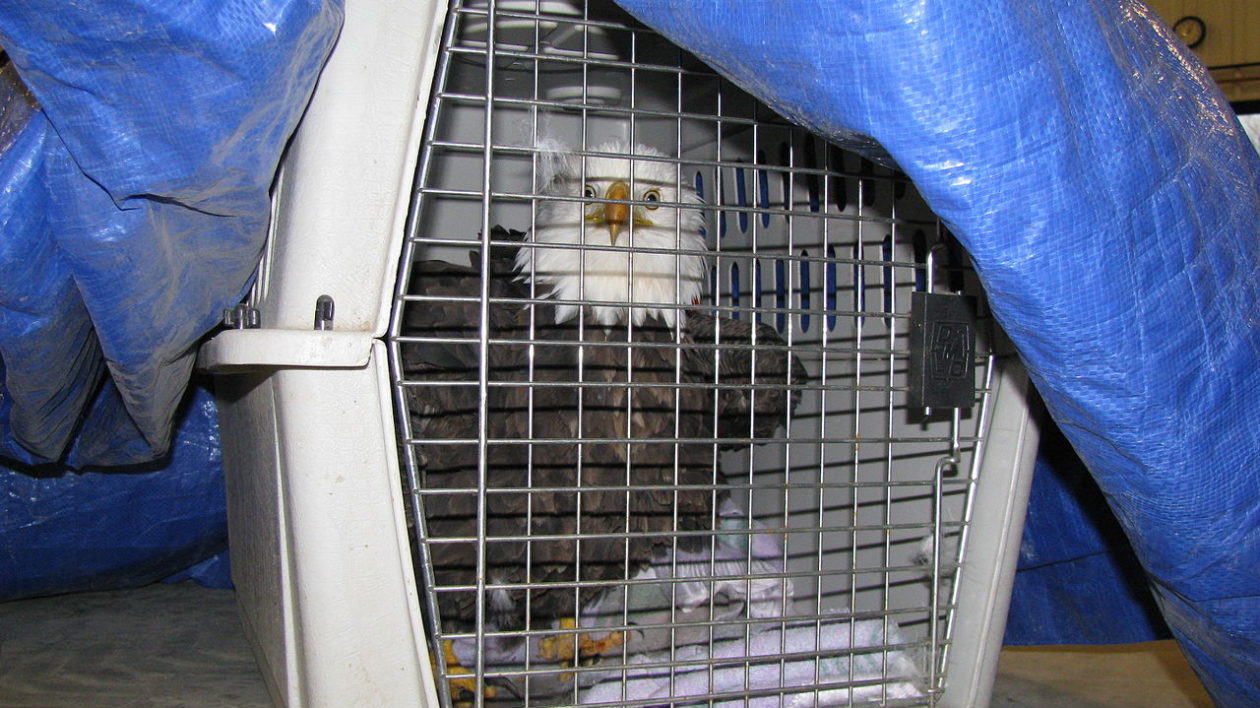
(176, 646)
(162, 646)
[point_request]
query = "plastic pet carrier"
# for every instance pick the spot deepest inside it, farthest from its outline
(575, 375)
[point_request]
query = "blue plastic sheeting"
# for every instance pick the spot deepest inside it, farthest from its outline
(1078, 581)
(64, 531)
(1111, 206)
(135, 177)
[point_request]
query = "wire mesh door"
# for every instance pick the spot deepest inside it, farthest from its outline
(657, 435)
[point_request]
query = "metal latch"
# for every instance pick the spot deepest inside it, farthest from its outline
(242, 317)
(942, 351)
(325, 309)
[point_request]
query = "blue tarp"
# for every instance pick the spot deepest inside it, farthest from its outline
(104, 529)
(136, 154)
(1078, 581)
(135, 204)
(1111, 205)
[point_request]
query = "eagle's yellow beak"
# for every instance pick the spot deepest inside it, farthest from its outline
(616, 214)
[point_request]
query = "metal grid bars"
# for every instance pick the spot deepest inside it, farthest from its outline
(725, 500)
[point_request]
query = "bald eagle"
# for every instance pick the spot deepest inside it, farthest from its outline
(608, 397)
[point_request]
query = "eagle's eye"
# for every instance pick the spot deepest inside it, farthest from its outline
(652, 195)
(588, 192)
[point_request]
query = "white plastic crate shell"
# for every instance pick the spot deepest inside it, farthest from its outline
(897, 528)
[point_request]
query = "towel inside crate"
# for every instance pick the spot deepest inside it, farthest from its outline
(714, 609)
(832, 663)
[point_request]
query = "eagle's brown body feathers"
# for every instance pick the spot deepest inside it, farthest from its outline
(625, 426)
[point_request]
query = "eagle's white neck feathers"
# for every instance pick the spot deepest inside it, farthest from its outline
(614, 269)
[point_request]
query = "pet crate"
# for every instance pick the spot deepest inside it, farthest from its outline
(861, 552)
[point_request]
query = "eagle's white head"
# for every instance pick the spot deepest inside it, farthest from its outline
(639, 239)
